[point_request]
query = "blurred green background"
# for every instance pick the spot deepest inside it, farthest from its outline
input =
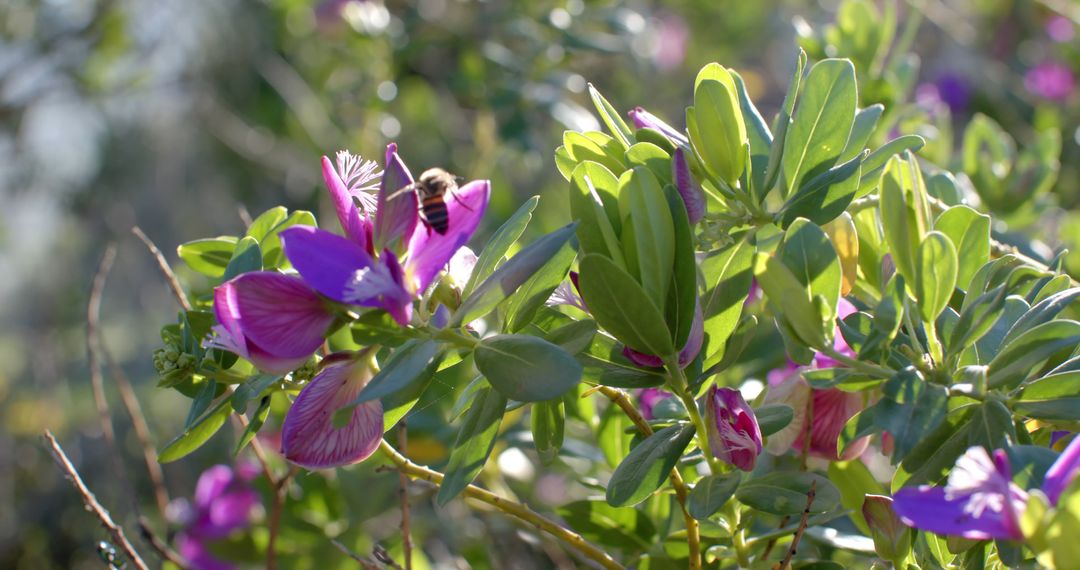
(184, 116)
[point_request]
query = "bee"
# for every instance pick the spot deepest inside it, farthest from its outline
(431, 188)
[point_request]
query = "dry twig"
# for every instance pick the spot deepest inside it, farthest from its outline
(163, 263)
(786, 562)
(91, 502)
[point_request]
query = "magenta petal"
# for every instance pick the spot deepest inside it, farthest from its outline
(1062, 473)
(354, 226)
(308, 436)
(274, 320)
(398, 210)
(197, 555)
(931, 509)
(692, 195)
(326, 261)
(430, 251)
(212, 484)
(732, 428)
(642, 359)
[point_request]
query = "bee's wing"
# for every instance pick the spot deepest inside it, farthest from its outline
(406, 188)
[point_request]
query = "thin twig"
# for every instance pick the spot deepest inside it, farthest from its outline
(142, 431)
(693, 531)
(163, 263)
(782, 565)
(245, 216)
(507, 506)
(93, 313)
(160, 546)
(383, 556)
(276, 508)
(91, 502)
(403, 490)
(365, 563)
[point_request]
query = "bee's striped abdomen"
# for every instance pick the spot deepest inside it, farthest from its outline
(435, 214)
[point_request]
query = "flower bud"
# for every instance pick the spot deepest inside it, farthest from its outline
(734, 435)
(892, 538)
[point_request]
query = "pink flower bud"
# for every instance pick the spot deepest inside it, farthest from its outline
(734, 435)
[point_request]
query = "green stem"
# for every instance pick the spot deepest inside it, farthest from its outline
(868, 368)
(681, 387)
(522, 512)
(738, 535)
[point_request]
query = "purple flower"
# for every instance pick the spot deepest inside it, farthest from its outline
(691, 193)
(734, 435)
(979, 502)
(1051, 80)
(643, 119)
(223, 504)
(672, 39)
(567, 293)
(309, 437)
(648, 398)
(276, 321)
(830, 408)
(688, 352)
(1060, 29)
(351, 188)
(348, 271)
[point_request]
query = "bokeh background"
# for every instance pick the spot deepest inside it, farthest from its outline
(185, 116)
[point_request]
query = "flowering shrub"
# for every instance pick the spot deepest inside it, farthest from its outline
(749, 334)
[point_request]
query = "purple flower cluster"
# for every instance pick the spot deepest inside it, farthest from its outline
(224, 503)
(386, 259)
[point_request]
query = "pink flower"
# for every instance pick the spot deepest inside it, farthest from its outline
(309, 437)
(223, 504)
(276, 321)
(1051, 80)
(831, 408)
(734, 435)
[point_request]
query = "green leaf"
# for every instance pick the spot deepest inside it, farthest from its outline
(548, 419)
(784, 493)
(208, 256)
(582, 148)
(651, 157)
(716, 126)
(500, 243)
(825, 196)
(648, 239)
(936, 268)
(932, 458)
(822, 123)
(396, 405)
(622, 308)
(594, 201)
(773, 418)
(970, 233)
(256, 423)
(682, 292)
(976, 319)
(474, 443)
(196, 434)
(1043, 312)
(615, 123)
(876, 162)
(1023, 354)
(647, 466)
(604, 364)
(862, 129)
(511, 275)
(900, 217)
(783, 289)
(526, 368)
(564, 162)
(728, 275)
(855, 482)
(910, 409)
(612, 436)
(404, 367)
(251, 389)
(810, 256)
(246, 257)
(262, 225)
(992, 426)
(599, 522)
(1052, 397)
(520, 308)
(781, 126)
(711, 493)
(574, 337)
(761, 140)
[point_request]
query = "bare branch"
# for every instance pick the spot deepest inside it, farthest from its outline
(163, 263)
(91, 502)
